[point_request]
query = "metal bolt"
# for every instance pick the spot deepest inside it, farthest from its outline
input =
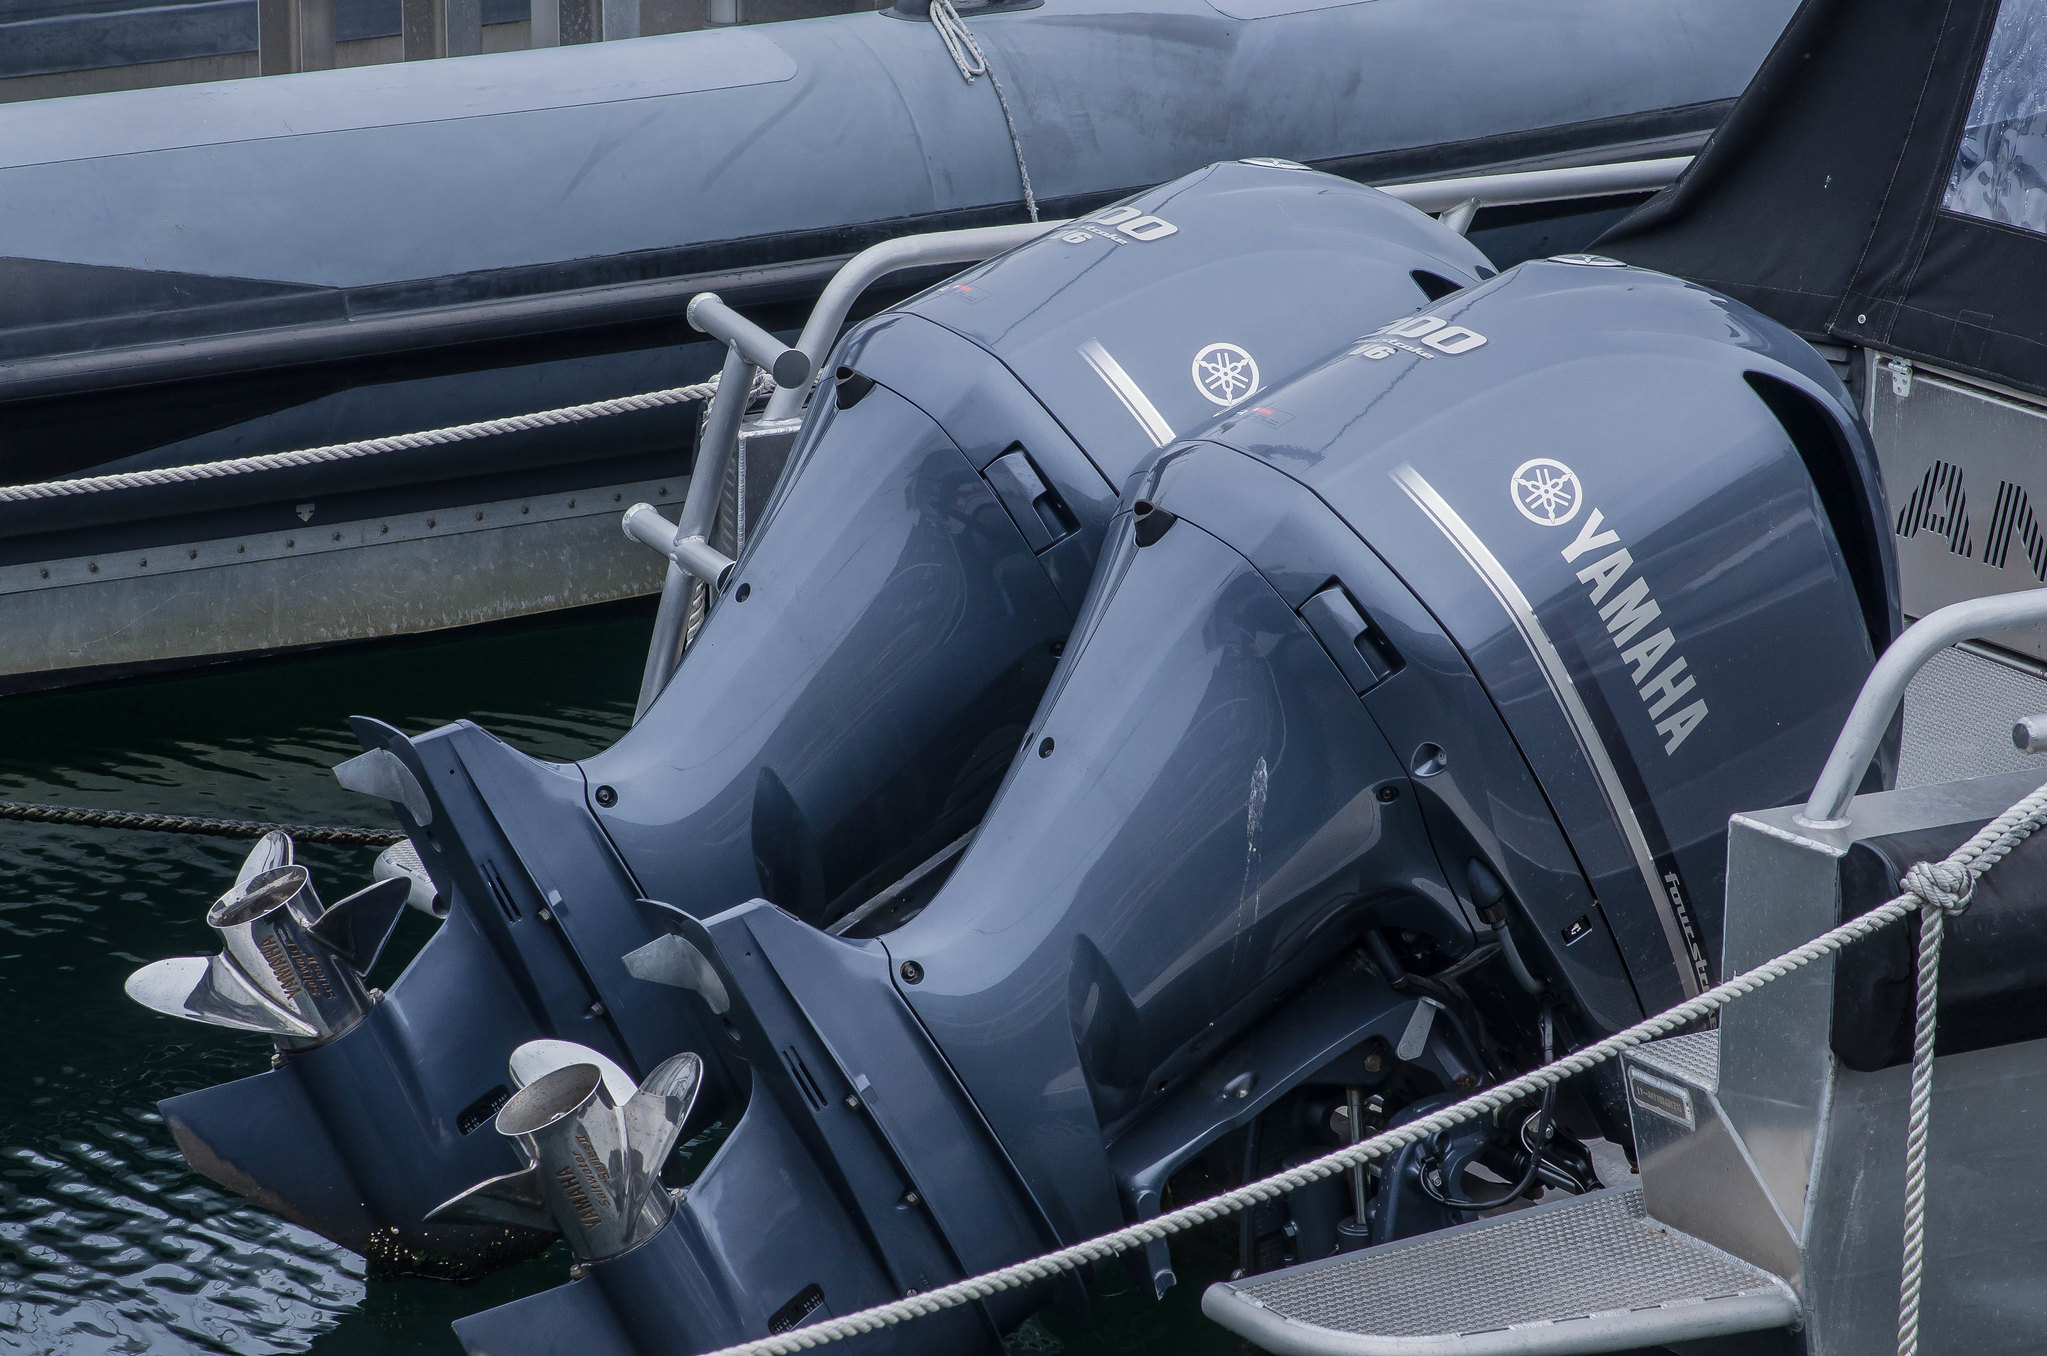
(597, 1009)
(546, 917)
(1389, 794)
(852, 1102)
(912, 972)
(606, 797)
(1465, 1080)
(578, 1270)
(1045, 748)
(910, 1198)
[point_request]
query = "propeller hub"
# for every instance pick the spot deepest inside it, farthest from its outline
(288, 967)
(265, 925)
(593, 1163)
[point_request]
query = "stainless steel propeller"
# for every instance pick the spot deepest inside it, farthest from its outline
(593, 1162)
(289, 967)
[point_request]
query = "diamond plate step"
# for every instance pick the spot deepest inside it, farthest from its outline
(1588, 1274)
(1693, 1059)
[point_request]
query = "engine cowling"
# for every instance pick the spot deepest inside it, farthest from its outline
(846, 711)
(1399, 731)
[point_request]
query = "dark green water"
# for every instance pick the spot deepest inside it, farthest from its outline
(108, 1243)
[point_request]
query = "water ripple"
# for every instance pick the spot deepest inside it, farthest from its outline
(108, 1242)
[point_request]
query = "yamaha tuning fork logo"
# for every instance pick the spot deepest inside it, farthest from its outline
(1547, 492)
(1225, 373)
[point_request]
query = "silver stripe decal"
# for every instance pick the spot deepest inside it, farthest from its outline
(1129, 392)
(1488, 567)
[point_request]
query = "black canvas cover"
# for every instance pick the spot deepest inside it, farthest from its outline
(1883, 181)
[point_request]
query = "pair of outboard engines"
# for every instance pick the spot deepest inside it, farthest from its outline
(1227, 676)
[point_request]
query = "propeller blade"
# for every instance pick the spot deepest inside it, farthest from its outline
(357, 928)
(272, 850)
(535, 1060)
(512, 1199)
(401, 861)
(673, 961)
(212, 990)
(381, 772)
(655, 1115)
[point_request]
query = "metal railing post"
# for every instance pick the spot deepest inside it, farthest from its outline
(440, 28)
(544, 27)
(621, 19)
(748, 348)
(294, 35)
(577, 21)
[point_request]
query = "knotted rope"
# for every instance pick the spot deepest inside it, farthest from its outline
(1944, 889)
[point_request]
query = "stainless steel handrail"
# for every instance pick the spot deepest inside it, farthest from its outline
(875, 262)
(789, 367)
(1885, 688)
(1547, 185)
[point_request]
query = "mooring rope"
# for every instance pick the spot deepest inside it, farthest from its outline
(1969, 861)
(973, 63)
(79, 817)
(1946, 891)
(364, 447)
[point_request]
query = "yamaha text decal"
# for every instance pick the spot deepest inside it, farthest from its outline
(1548, 492)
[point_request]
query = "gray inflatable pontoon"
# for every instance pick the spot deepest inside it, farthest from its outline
(250, 267)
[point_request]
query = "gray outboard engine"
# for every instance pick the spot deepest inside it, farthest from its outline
(1396, 741)
(844, 716)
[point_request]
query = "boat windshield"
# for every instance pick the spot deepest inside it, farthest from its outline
(2000, 171)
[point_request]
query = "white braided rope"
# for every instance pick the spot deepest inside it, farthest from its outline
(1945, 887)
(1976, 856)
(1930, 929)
(366, 447)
